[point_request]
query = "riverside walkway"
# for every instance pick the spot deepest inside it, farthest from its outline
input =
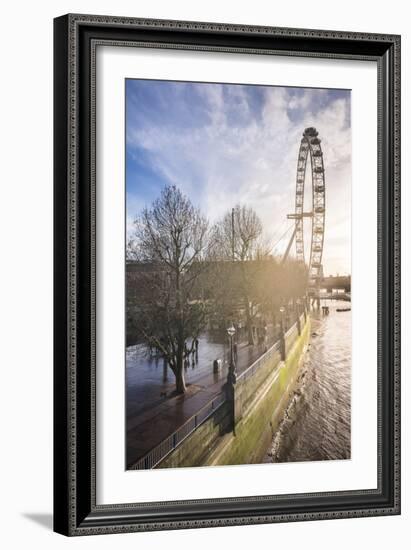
(154, 411)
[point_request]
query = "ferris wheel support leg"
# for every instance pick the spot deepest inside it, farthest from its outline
(289, 244)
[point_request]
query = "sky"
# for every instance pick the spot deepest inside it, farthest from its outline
(224, 144)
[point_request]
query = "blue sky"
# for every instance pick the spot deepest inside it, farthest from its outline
(224, 144)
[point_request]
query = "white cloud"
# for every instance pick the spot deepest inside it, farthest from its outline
(254, 163)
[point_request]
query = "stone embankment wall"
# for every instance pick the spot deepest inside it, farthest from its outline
(240, 432)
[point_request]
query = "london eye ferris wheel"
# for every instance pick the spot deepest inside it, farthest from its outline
(310, 147)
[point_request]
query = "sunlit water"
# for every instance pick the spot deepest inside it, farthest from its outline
(317, 423)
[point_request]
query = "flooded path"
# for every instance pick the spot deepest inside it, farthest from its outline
(154, 410)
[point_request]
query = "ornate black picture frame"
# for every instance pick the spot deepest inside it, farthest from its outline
(76, 38)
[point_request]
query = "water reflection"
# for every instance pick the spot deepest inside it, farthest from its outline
(149, 379)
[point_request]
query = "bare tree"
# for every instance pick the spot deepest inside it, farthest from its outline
(239, 237)
(170, 239)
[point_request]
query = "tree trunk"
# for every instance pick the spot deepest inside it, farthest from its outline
(180, 382)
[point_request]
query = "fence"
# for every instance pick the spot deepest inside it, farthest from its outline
(261, 361)
(159, 453)
(170, 443)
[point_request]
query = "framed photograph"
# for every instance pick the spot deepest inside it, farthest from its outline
(227, 274)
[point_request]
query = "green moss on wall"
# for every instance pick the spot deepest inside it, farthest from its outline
(255, 430)
(210, 444)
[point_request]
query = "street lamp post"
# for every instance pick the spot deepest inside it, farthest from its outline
(298, 316)
(231, 380)
(282, 311)
(231, 377)
(282, 336)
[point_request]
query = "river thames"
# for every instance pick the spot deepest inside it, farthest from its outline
(317, 422)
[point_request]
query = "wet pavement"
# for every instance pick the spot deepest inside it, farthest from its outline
(154, 411)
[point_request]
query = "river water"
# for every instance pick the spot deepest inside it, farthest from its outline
(317, 423)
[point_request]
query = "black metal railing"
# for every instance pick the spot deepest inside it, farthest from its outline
(261, 361)
(291, 330)
(160, 452)
(171, 442)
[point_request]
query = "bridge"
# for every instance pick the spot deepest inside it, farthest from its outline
(336, 283)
